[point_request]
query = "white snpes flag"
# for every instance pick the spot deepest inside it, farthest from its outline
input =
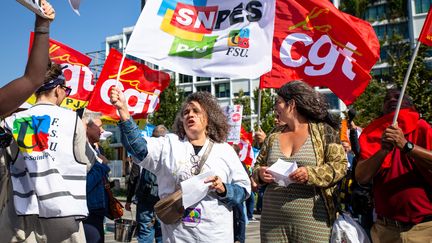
(208, 38)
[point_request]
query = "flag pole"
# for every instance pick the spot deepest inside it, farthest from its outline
(120, 68)
(407, 75)
(259, 107)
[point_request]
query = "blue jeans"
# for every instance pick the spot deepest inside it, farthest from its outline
(250, 205)
(261, 191)
(147, 231)
(239, 223)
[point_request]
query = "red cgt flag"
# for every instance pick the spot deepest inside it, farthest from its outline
(426, 33)
(140, 84)
(78, 75)
(315, 42)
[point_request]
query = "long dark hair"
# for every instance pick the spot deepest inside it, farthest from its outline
(217, 125)
(309, 103)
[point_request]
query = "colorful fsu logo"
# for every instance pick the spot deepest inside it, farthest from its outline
(31, 133)
(239, 38)
(191, 22)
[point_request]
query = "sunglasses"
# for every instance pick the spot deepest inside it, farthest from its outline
(66, 89)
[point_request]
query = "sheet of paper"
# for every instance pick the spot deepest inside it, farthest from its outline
(281, 170)
(194, 189)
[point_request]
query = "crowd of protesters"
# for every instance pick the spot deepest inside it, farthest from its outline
(53, 175)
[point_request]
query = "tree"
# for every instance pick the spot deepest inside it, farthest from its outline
(354, 7)
(267, 104)
(170, 103)
(369, 104)
(244, 100)
(419, 85)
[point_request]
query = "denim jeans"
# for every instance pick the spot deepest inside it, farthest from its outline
(147, 231)
(250, 205)
(239, 223)
(261, 191)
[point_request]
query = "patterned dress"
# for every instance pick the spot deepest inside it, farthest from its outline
(296, 213)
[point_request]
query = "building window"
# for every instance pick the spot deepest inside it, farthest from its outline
(422, 6)
(376, 13)
(204, 88)
(203, 79)
(333, 101)
(128, 35)
(185, 78)
(222, 90)
(186, 91)
(114, 44)
(240, 86)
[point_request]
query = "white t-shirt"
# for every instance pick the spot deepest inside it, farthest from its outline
(169, 159)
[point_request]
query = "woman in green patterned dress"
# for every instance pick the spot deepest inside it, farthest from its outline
(304, 210)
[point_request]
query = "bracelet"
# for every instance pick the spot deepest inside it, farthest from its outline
(41, 30)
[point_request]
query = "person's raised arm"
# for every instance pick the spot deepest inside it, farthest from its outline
(19, 90)
(118, 100)
(131, 137)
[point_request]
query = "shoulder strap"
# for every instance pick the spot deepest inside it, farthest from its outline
(205, 156)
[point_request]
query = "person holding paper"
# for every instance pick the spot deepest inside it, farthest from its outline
(175, 158)
(303, 211)
(13, 94)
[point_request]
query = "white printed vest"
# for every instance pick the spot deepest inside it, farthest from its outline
(47, 179)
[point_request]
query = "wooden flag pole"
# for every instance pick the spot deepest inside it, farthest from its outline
(407, 75)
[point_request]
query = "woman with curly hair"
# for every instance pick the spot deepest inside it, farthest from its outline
(200, 126)
(302, 211)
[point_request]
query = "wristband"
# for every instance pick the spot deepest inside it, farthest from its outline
(41, 30)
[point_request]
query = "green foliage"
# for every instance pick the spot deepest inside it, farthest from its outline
(419, 85)
(369, 104)
(267, 104)
(354, 7)
(109, 151)
(170, 103)
(244, 100)
(267, 114)
(397, 8)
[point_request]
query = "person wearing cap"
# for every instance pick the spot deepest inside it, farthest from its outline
(13, 94)
(48, 168)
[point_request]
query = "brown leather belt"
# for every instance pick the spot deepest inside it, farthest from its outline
(402, 225)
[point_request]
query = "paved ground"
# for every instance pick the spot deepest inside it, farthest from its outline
(252, 229)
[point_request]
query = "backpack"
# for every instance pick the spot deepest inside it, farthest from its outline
(147, 188)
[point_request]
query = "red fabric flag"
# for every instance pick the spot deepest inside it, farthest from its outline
(78, 75)
(140, 84)
(315, 42)
(426, 33)
(246, 152)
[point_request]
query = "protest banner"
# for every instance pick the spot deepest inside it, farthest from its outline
(141, 85)
(317, 43)
(206, 37)
(78, 75)
(246, 151)
(234, 115)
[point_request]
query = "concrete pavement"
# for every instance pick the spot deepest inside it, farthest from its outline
(252, 229)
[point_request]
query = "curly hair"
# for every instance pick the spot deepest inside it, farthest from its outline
(217, 125)
(309, 103)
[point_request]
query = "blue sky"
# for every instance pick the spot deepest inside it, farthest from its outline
(85, 33)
